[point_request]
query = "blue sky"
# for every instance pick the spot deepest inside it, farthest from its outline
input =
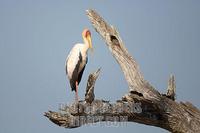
(37, 35)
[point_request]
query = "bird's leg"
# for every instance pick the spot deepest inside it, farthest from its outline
(77, 99)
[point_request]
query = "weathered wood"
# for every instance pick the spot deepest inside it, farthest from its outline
(143, 104)
(183, 117)
(89, 94)
(127, 63)
(171, 89)
(81, 113)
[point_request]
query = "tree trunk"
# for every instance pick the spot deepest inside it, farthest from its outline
(143, 104)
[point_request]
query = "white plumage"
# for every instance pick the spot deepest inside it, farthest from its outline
(76, 61)
(73, 58)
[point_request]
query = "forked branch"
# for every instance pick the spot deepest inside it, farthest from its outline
(143, 104)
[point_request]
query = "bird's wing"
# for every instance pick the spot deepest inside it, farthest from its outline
(77, 72)
(72, 58)
(81, 74)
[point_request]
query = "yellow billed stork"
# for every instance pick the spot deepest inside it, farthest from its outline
(76, 61)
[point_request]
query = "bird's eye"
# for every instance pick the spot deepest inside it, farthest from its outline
(87, 33)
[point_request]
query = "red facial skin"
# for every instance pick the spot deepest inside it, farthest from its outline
(86, 32)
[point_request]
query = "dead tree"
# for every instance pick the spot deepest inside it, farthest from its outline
(143, 103)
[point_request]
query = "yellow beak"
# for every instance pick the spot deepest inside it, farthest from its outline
(90, 43)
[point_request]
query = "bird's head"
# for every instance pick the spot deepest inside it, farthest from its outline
(86, 34)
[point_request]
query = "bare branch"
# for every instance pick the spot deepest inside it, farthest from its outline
(143, 104)
(183, 118)
(81, 113)
(89, 95)
(127, 63)
(171, 89)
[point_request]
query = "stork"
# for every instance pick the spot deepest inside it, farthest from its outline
(77, 60)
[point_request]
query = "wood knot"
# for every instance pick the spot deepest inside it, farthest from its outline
(136, 93)
(114, 40)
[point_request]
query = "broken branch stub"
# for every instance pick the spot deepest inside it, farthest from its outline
(171, 89)
(89, 95)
